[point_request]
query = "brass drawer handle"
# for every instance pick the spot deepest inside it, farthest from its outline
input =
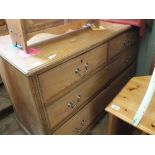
(86, 67)
(77, 71)
(77, 130)
(73, 104)
(78, 98)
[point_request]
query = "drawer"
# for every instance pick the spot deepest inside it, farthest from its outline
(121, 80)
(68, 104)
(123, 61)
(81, 120)
(57, 80)
(121, 43)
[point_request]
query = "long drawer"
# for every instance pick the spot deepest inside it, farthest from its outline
(81, 120)
(57, 80)
(68, 104)
(121, 42)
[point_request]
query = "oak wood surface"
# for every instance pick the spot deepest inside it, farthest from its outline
(122, 42)
(129, 100)
(81, 120)
(59, 109)
(61, 77)
(71, 46)
(3, 31)
(30, 84)
(22, 98)
(21, 30)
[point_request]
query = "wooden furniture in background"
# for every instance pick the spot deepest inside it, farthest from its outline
(65, 88)
(22, 30)
(3, 31)
(129, 99)
(5, 105)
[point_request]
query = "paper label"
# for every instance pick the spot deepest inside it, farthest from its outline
(52, 56)
(115, 107)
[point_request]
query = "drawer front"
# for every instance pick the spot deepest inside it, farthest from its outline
(81, 120)
(58, 79)
(121, 43)
(123, 61)
(68, 104)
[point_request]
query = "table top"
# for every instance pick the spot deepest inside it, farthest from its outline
(128, 101)
(55, 52)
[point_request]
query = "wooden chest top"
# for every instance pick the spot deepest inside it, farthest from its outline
(56, 51)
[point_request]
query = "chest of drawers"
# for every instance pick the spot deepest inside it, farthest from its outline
(68, 93)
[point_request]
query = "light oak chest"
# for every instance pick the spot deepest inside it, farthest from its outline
(65, 88)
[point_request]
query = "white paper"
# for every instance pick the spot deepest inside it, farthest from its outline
(52, 56)
(115, 107)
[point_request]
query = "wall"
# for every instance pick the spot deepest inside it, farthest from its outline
(146, 49)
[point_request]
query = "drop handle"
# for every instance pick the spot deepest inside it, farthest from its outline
(77, 130)
(77, 71)
(72, 104)
(78, 98)
(86, 67)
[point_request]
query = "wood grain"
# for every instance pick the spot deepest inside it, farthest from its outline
(21, 30)
(80, 60)
(65, 75)
(122, 42)
(81, 120)
(3, 31)
(21, 98)
(59, 110)
(71, 46)
(129, 100)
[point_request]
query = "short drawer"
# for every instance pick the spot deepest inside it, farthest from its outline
(123, 60)
(81, 120)
(121, 43)
(59, 79)
(68, 104)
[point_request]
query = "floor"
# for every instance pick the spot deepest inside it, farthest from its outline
(9, 126)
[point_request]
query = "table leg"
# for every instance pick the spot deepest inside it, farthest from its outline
(117, 126)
